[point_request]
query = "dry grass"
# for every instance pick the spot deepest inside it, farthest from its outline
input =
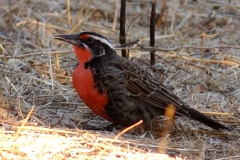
(35, 73)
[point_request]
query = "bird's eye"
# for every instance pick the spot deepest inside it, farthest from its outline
(90, 40)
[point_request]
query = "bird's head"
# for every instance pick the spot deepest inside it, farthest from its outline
(88, 45)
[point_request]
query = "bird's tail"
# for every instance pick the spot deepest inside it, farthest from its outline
(196, 115)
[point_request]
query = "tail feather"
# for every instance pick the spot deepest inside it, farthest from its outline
(196, 115)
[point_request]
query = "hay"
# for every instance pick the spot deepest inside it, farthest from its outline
(35, 72)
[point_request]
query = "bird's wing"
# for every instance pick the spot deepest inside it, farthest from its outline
(142, 84)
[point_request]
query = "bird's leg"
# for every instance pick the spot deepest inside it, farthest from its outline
(92, 128)
(111, 127)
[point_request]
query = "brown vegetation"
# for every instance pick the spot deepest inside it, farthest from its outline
(197, 57)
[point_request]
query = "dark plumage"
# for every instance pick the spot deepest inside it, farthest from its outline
(120, 90)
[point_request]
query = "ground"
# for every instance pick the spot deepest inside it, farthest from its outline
(197, 57)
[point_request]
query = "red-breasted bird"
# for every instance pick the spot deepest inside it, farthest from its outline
(118, 89)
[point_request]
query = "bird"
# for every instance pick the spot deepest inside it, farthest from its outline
(120, 90)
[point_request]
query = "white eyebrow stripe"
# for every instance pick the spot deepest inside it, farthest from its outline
(103, 40)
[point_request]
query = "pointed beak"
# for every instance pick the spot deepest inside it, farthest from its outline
(70, 38)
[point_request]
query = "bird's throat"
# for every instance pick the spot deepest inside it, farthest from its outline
(83, 54)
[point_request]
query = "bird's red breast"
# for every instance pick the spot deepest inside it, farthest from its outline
(83, 83)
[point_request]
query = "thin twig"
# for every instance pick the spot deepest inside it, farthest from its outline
(115, 14)
(24, 122)
(205, 60)
(152, 33)
(68, 12)
(170, 113)
(122, 36)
